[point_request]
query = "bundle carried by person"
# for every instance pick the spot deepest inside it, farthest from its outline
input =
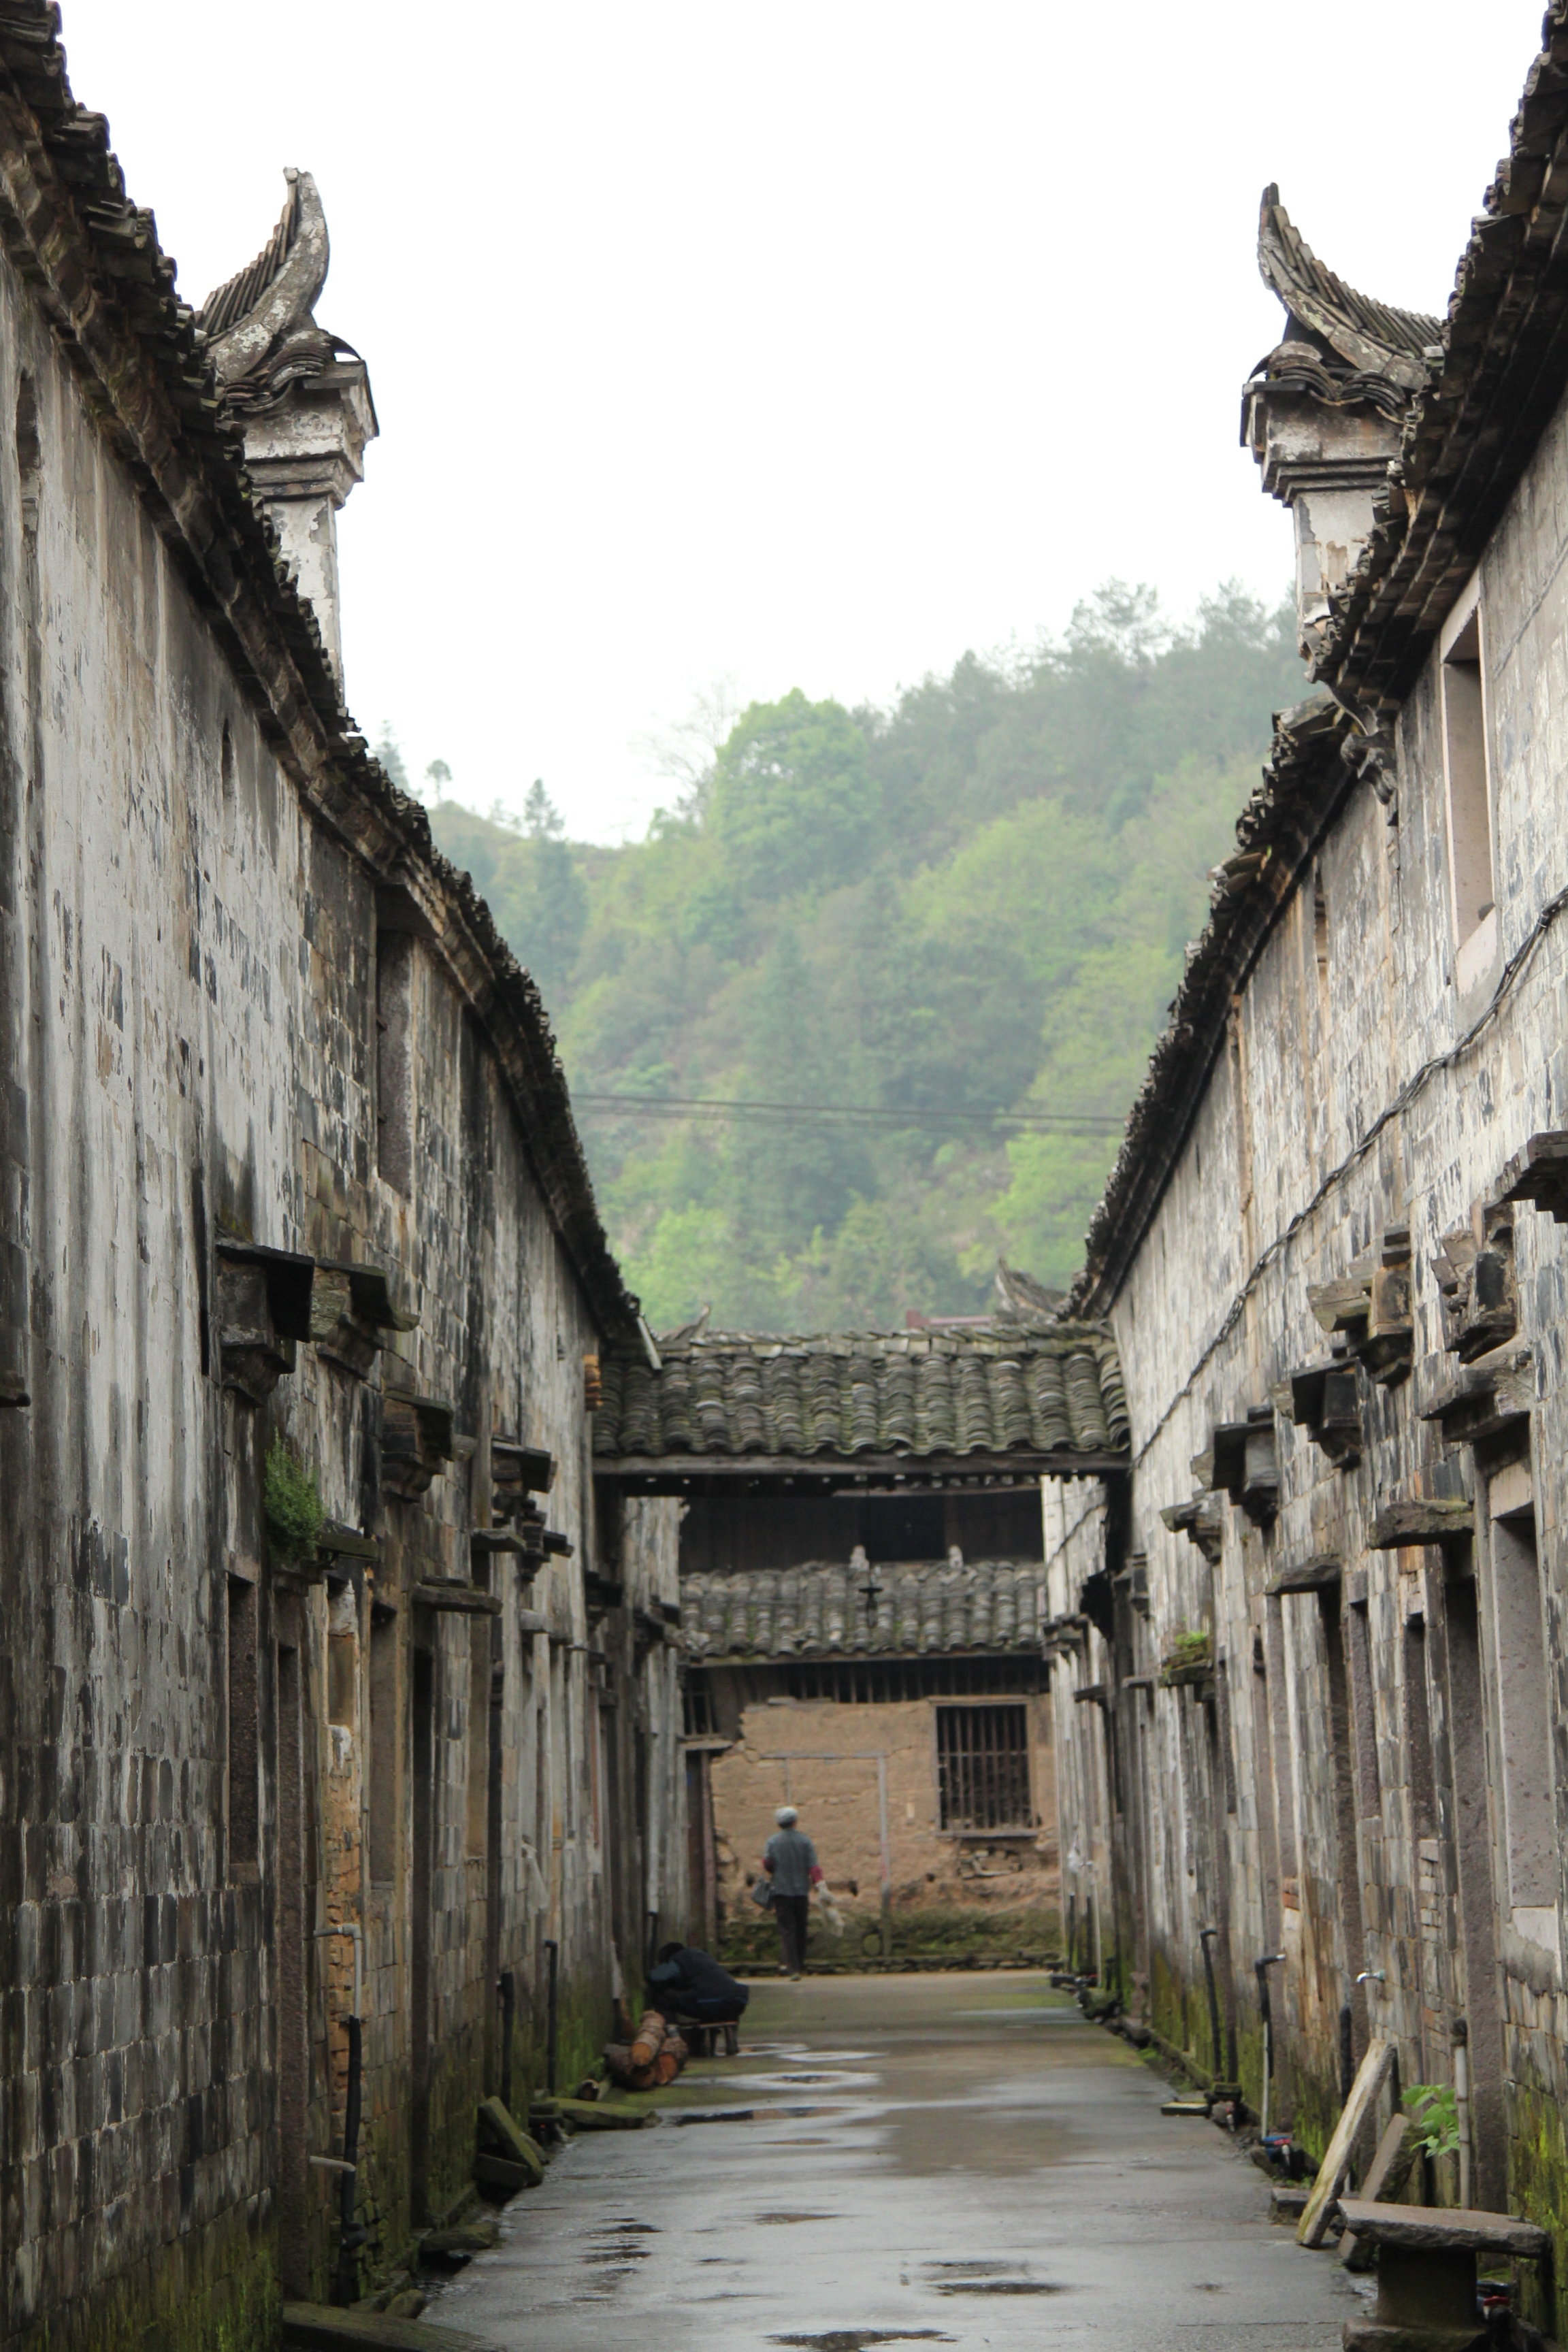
(653, 2057)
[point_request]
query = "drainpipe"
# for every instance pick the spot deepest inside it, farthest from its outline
(351, 2236)
(1462, 2105)
(1206, 1937)
(553, 1982)
(1260, 1969)
(506, 1987)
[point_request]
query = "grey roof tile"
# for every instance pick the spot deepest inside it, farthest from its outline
(987, 1389)
(832, 1609)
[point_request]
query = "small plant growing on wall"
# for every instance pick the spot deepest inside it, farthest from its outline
(292, 1506)
(1188, 1657)
(1436, 2113)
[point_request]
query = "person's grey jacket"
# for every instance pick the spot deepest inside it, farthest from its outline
(794, 1858)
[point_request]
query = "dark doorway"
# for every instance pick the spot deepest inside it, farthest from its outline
(420, 1938)
(1472, 1854)
(1341, 1749)
(293, 2061)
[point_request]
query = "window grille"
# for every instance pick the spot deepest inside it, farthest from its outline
(983, 1768)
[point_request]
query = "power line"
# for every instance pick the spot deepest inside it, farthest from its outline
(868, 1114)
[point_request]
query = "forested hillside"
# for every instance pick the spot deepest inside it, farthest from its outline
(960, 920)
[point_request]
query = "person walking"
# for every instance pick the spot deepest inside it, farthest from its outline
(790, 1860)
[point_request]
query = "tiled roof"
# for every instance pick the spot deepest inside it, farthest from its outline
(905, 1609)
(93, 263)
(1496, 379)
(1371, 336)
(992, 1390)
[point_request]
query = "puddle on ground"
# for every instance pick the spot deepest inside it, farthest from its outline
(629, 2229)
(966, 2270)
(720, 2116)
(996, 2286)
(854, 2339)
(773, 2220)
(620, 2255)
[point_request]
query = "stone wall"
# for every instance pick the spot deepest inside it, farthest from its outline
(204, 991)
(1338, 1777)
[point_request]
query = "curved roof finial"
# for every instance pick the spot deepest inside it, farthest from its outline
(251, 313)
(1369, 335)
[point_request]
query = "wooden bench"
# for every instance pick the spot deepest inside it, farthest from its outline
(1426, 2272)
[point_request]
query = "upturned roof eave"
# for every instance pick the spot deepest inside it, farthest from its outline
(94, 263)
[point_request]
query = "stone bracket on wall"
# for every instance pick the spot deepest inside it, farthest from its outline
(1199, 1520)
(1491, 1398)
(416, 1442)
(1421, 1520)
(1316, 1573)
(1132, 1580)
(263, 1311)
(1246, 1464)
(1324, 1398)
(1370, 1305)
(354, 1309)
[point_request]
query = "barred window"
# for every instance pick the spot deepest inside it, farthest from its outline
(983, 1768)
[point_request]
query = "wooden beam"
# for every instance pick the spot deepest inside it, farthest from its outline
(913, 1472)
(1336, 2164)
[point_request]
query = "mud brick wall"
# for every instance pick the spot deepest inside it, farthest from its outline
(838, 1805)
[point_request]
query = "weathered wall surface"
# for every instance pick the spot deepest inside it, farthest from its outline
(193, 978)
(1338, 1783)
(822, 1757)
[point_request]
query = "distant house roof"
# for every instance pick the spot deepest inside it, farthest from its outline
(907, 1608)
(1050, 1394)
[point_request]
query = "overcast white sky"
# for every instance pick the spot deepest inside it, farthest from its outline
(803, 346)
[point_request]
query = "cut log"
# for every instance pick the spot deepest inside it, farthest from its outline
(1370, 2078)
(1391, 2169)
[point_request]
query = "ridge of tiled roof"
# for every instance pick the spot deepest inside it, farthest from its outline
(1371, 336)
(836, 1609)
(1472, 428)
(1303, 785)
(1047, 1387)
(92, 260)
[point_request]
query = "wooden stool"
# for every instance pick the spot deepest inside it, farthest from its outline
(1426, 2274)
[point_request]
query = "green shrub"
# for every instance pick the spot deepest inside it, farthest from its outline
(292, 1506)
(1436, 2109)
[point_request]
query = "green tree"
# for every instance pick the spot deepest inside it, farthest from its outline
(794, 804)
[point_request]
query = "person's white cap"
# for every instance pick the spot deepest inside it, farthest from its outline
(786, 1816)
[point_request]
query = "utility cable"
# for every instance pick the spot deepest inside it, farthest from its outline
(724, 1106)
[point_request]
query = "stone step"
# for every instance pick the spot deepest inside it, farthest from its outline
(317, 2327)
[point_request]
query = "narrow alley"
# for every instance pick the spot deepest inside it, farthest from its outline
(948, 2158)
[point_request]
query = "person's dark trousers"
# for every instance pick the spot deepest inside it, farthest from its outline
(792, 1912)
(674, 2006)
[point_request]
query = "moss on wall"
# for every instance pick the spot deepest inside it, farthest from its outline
(171, 2303)
(1538, 2188)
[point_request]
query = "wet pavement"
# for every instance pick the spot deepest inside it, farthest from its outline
(947, 2159)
